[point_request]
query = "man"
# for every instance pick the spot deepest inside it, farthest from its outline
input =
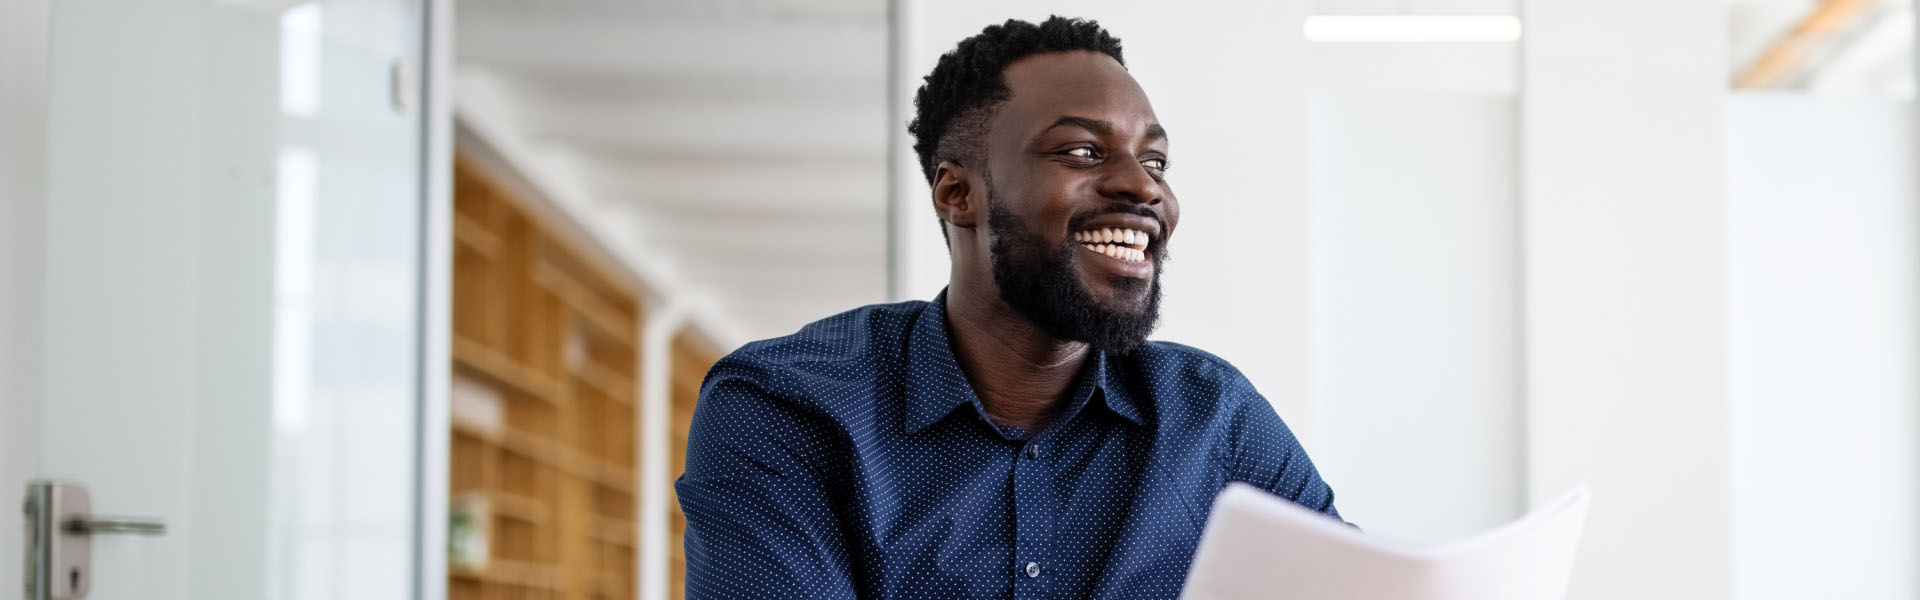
(1017, 436)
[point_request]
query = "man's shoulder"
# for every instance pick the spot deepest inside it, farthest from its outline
(862, 338)
(1207, 397)
(1200, 382)
(1175, 359)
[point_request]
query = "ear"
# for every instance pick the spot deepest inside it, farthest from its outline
(954, 197)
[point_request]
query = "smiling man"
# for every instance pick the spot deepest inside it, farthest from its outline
(1017, 436)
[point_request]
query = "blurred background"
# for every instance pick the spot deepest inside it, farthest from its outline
(412, 298)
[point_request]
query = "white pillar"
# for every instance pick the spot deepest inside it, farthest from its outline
(656, 428)
(436, 294)
(1625, 287)
(1417, 304)
(1824, 365)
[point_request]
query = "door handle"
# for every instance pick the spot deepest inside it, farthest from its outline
(60, 526)
(135, 525)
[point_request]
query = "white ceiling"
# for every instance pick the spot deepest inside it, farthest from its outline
(744, 142)
(741, 145)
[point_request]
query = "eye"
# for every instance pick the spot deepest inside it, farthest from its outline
(1081, 152)
(1157, 164)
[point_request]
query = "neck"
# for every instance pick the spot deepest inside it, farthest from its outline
(1022, 375)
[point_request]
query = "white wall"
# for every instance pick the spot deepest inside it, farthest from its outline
(1625, 287)
(1416, 295)
(1824, 238)
(1240, 148)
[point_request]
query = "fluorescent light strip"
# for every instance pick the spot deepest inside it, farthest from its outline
(1411, 28)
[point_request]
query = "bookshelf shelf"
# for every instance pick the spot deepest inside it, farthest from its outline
(545, 428)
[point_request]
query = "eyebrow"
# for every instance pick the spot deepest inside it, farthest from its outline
(1102, 127)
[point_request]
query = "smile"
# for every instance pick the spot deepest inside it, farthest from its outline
(1124, 244)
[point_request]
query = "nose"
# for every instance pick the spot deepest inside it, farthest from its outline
(1129, 180)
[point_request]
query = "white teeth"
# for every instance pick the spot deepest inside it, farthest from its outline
(1123, 237)
(1117, 251)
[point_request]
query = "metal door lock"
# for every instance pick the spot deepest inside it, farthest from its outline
(60, 525)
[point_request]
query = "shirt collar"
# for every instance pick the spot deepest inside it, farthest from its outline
(935, 384)
(1113, 387)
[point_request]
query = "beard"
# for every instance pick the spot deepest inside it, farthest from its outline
(1041, 284)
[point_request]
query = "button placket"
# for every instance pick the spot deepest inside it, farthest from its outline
(1035, 509)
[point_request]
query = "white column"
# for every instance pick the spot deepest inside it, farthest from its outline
(656, 428)
(1824, 239)
(1625, 287)
(436, 296)
(1228, 82)
(1417, 304)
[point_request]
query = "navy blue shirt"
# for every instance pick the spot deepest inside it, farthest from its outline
(853, 460)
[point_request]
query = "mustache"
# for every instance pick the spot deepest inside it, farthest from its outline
(1079, 220)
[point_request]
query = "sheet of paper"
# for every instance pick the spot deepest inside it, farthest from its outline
(1260, 546)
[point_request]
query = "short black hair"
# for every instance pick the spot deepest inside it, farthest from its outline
(958, 98)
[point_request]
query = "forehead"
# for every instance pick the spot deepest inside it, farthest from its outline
(1092, 85)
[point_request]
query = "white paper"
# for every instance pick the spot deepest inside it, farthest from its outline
(1258, 545)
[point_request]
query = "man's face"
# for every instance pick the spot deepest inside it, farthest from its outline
(1079, 211)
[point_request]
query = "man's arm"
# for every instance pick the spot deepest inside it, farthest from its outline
(759, 522)
(1265, 453)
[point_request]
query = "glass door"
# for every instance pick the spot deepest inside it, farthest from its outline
(232, 295)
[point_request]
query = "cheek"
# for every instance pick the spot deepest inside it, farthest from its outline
(1053, 210)
(1172, 214)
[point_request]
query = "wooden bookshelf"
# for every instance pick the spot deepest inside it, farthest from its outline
(544, 433)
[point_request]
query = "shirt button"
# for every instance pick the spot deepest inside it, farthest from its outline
(1033, 451)
(1033, 569)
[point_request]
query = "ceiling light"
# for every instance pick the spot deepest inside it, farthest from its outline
(1411, 28)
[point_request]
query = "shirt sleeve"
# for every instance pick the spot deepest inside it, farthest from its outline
(759, 520)
(1265, 453)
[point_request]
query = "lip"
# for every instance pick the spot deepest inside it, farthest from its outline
(1115, 266)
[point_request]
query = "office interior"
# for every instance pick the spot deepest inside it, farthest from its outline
(413, 298)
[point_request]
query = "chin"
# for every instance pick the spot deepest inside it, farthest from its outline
(1123, 294)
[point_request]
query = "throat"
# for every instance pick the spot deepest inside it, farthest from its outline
(1023, 376)
(1031, 422)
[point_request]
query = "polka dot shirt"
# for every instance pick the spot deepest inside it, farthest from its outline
(853, 460)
